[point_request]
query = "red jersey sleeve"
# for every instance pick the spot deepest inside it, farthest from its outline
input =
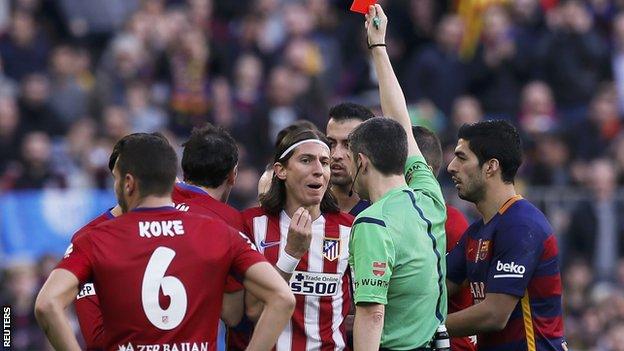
(77, 259)
(90, 319)
(244, 253)
(456, 225)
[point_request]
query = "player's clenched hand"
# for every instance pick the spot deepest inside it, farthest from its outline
(299, 233)
(376, 35)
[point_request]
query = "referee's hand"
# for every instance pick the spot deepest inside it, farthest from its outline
(299, 233)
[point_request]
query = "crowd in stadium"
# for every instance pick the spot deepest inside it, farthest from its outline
(76, 76)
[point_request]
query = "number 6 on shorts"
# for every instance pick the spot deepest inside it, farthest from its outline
(153, 280)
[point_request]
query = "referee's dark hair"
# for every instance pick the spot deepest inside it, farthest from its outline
(150, 159)
(495, 139)
(209, 155)
(430, 146)
(384, 141)
(349, 110)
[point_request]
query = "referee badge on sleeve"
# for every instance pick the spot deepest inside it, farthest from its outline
(331, 248)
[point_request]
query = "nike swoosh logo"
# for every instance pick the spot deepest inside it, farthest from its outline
(264, 244)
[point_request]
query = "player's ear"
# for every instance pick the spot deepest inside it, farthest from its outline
(364, 162)
(232, 175)
(279, 170)
(130, 184)
(491, 167)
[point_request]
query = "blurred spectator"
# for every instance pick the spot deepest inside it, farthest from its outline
(115, 123)
(590, 138)
(70, 157)
(36, 170)
(35, 109)
(124, 61)
(143, 116)
(537, 114)
(9, 133)
(95, 17)
(494, 73)
(466, 110)
(246, 87)
(189, 74)
(551, 157)
(437, 73)
(596, 232)
(529, 30)
(69, 99)
(572, 58)
(21, 284)
(24, 49)
(279, 111)
(617, 58)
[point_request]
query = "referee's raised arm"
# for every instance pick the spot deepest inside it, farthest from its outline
(393, 104)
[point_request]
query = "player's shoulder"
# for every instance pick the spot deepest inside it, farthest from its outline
(342, 218)
(522, 212)
(106, 216)
(372, 214)
(252, 213)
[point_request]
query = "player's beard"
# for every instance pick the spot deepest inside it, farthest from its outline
(341, 182)
(474, 191)
(120, 198)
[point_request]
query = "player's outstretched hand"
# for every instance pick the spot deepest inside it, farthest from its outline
(376, 33)
(299, 233)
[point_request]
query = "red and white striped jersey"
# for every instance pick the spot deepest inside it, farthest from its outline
(320, 281)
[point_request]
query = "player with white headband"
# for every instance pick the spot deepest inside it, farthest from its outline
(300, 229)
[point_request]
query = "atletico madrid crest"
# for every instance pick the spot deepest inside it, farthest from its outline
(331, 248)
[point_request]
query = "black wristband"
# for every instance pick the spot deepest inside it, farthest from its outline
(374, 45)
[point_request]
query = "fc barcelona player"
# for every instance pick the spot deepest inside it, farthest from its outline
(509, 257)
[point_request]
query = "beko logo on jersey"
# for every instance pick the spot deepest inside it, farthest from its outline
(158, 228)
(514, 270)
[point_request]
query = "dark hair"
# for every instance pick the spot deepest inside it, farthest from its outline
(430, 146)
(274, 200)
(150, 159)
(298, 124)
(349, 110)
(210, 154)
(495, 139)
(384, 141)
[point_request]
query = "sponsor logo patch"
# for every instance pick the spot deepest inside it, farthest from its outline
(379, 268)
(509, 270)
(314, 284)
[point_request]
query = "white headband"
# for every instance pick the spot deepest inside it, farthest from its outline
(293, 146)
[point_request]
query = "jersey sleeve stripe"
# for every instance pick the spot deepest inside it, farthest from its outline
(528, 322)
(370, 220)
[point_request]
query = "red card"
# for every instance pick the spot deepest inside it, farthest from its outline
(361, 6)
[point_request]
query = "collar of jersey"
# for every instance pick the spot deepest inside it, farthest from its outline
(314, 221)
(192, 188)
(393, 191)
(147, 209)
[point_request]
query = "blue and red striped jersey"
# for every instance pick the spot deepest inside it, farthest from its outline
(515, 253)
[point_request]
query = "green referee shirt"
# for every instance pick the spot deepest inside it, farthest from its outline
(397, 252)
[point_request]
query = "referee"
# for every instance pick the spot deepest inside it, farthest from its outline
(397, 244)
